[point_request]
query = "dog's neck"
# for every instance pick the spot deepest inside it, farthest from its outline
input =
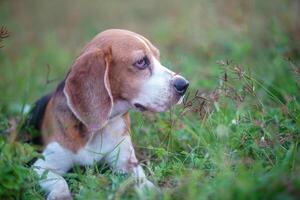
(119, 108)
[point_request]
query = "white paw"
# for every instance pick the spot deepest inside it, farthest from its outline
(60, 194)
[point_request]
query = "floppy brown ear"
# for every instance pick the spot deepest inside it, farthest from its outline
(87, 89)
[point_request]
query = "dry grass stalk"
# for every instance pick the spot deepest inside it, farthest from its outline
(3, 34)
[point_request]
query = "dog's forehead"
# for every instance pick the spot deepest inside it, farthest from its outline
(123, 40)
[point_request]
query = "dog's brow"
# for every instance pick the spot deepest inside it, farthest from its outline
(146, 45)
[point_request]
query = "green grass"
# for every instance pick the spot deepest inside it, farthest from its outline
(242, 142)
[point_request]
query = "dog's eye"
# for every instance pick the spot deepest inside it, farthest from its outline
(142, 63)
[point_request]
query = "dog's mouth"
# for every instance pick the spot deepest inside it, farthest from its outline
(143, 108)
(158, 108)
(140, 107)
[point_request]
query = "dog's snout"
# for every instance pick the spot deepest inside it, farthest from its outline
(180, 85)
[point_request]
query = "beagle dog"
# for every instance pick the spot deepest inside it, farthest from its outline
(86, 120)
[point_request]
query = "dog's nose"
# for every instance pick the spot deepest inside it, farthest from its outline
(180, 85)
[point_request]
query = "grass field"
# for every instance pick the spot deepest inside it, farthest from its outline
(235, 137)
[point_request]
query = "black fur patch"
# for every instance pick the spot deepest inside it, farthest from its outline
(35, 118)
(37, 113)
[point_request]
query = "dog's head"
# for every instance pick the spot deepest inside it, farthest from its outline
(119, 65)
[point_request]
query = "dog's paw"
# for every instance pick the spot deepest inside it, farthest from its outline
(60, 194)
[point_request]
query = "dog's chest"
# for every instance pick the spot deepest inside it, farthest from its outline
(102, 143)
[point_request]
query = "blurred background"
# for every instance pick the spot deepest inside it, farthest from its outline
(241, 147)
(192, 36)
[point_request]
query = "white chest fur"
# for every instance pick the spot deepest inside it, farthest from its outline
(102, 143)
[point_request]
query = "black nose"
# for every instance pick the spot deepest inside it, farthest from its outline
(180, 85)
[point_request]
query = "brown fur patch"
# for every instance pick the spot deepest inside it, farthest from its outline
(61, 125)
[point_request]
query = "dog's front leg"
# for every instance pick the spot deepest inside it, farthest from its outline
(55, 163)
(123, 160)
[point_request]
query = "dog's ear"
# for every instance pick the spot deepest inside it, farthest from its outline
(87, 89)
